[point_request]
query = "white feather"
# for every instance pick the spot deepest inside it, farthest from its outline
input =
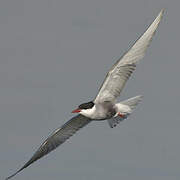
(123, 68)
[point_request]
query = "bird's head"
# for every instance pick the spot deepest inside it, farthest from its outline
(84, 108)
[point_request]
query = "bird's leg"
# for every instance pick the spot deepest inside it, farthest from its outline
(121, 115)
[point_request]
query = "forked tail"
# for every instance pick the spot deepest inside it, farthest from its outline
(131, 103)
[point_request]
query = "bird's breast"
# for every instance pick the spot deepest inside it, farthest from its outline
(104, 112)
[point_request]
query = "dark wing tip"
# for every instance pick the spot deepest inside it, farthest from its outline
(13, 174)
(58, 137)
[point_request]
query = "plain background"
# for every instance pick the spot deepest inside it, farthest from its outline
(54, 55)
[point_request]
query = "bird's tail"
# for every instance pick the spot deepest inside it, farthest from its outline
(132, 102)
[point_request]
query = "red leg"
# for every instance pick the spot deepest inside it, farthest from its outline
(121, 115)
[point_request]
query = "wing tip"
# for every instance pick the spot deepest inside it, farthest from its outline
(162, 10)
(152, 28)
(161, 13)
(9, 177)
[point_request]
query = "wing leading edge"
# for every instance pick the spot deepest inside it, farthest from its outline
(58, 137)
(124, 67)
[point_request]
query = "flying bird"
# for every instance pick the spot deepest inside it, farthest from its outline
(104, 106)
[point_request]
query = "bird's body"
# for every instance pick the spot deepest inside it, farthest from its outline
(104, 106)
(101, 111)
(106, 110)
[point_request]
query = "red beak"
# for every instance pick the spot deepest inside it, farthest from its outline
(76, 111)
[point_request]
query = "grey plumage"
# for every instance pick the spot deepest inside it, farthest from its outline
(58, 137)
(108, 93)
(123, 68)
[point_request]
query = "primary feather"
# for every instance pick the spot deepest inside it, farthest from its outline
(57, 138)
(123, 68)
(109, 91)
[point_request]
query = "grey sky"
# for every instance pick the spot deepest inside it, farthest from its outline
(54, 55)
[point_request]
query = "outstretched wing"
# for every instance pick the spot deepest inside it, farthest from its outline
(57, 138)
(123, 68)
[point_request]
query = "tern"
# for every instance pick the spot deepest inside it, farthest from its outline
(104, 106)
